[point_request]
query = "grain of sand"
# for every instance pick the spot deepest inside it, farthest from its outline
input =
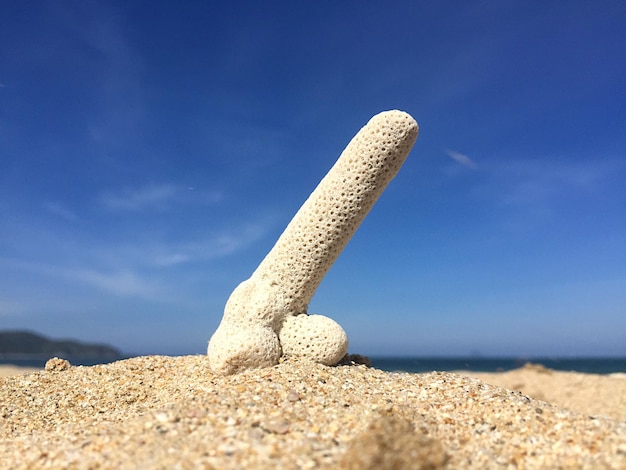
(172, 412)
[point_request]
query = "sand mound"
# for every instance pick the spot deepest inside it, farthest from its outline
(591, 394)
(172, 412)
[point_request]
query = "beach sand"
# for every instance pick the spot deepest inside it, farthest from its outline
(591, 394)
(7, 370)
(172, 412)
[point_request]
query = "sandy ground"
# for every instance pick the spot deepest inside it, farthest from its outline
(172, 412)
(6, 370)
(591, 394)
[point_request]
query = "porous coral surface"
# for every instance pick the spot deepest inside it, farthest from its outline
(285, 281)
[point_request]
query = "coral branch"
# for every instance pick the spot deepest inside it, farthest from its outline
(266, 315)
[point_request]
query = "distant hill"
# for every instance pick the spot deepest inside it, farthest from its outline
(27, 343)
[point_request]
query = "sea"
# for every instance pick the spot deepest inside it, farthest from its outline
(491, 364)
(415, 364)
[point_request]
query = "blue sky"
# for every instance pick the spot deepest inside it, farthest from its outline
(151, 153)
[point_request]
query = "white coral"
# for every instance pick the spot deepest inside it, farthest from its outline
(314, 337)
(266, 316)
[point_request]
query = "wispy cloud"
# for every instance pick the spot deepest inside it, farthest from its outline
(138, 270)
(10, 308)
(536, 180)
(461, 158)
(123, 282)
(61, 211)
(156, 197)
(149, 197)
(210, 247)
